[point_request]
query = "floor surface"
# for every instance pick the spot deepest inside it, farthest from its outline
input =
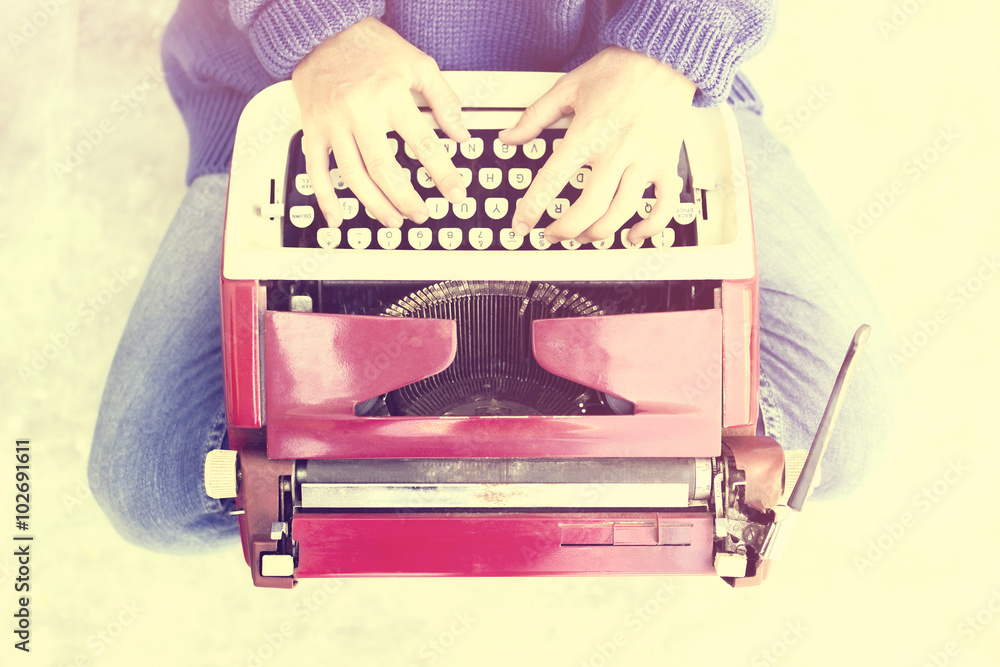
(902, 573)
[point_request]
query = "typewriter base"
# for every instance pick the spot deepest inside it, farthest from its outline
(527, 542)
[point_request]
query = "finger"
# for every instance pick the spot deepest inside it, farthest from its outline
(547, 109)
(605, 180)
(428, 149)
(550, 181)
(667, 197)
(444, 103)
(352, 170)
(623, 206)
(389, 176)
(317, 153)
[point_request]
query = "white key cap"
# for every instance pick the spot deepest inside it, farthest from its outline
(570, 244)
(369, 213)
(466, 175)
(519, 178)
(538, 239)
(449, 238)
(534, 149)
(502, 150)
(409, 151)
(388, 238)
(437, 207)
(349, 207)
(466, 208)
(664, 239)
(328, 237)
(510, 240)
(301, 216)
(480, 237)
(424, 178)
(625, 241)
(393, 146)
(303, 185)
(338, 182)
(580, 178)
(603, 244)
(685, 213)
(419, 238)
(645, 207)
(450, 147)
(359, 238)
(555, 144)
(473, 148)
(496, 207)
(490, 177)
(557, 207)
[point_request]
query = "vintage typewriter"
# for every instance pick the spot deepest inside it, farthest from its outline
(451, 399)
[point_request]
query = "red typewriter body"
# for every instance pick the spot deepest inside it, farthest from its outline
(405, 406)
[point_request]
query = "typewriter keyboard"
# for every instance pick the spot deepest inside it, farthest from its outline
(496, 176)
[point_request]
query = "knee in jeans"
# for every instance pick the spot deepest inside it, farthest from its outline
(114, 478)
(846, 471)
(148, 508)
(862, 435)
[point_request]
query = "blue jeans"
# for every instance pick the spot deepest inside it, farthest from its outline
(163, 406)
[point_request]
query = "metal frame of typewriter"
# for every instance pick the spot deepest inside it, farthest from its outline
(681, 486)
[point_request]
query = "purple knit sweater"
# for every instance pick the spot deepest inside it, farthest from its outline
(216, 57)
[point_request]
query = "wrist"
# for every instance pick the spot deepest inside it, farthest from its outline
(285, 32)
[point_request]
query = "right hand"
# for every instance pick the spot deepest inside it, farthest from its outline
(354, 88)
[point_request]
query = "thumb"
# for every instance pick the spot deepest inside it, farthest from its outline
(547, 109)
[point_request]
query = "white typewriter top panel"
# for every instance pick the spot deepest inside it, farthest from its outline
(254, 250)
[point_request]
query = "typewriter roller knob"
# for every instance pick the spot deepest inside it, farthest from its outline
(220, 474)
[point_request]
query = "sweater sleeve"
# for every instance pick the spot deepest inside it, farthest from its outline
(705, 40)
(283, 32)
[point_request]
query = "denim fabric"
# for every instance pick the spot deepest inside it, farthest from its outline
(812, 299)
(163, 406)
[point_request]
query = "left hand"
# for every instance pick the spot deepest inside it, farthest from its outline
(630, 114)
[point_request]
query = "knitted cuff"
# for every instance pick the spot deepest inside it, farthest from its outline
(704, 41)
(284, 31)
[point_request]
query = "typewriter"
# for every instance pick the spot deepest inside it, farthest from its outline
(451, 399)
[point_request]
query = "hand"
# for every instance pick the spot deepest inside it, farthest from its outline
(630, 115)
(354, 88)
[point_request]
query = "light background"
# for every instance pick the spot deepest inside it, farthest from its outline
(62, 240)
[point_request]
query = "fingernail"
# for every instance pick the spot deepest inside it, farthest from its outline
(394, 221)
(456, 194)
(521, 229)
(420, 218)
